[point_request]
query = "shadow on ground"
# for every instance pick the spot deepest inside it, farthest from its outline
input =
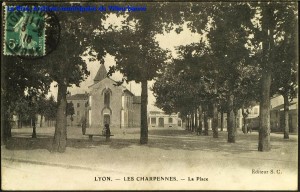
(21, 143)
(162, 139)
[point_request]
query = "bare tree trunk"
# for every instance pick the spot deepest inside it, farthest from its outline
(267, 46)
(264, 115)
(200, 120)
(205, 123)
(187, 123)
(60, 135)
(144, 102)
(196, 120)
(193, 124)
(6, 129)
(236, 123)
(33, 127)
(286, 116)
(222, 120)
(41, 121)
(19, 122)
(230, 121)
(190, 128)
(244, 121)
(5, 107)
(215, 121)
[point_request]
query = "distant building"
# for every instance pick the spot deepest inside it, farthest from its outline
(277, 115)
(252, 118)
(80, 105)
(160, 119)
(111, 104)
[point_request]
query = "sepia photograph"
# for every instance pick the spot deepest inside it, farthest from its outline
(149, 95)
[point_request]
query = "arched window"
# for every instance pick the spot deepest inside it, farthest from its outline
(107, 99)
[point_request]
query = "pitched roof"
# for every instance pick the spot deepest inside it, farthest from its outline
(282, 106)
(126, 90)
(101, 74)
(156, 112)
(83, 96)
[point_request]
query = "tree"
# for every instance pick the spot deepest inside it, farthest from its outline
(227, 40)
(185, 85)
(284, 80)
(201, 73)
(50, 109)
(246, 93)
(273, 21)
(72, 45)
(19, 76)
(22, 110)
(33, 109)
(41, 108)
(139, 67)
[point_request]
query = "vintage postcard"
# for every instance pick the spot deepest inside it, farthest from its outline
(129, 95)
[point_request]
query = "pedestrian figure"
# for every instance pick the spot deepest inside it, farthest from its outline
(83, 126)
(249, 128)
(107, 132)
(199, 131)
(245, 128)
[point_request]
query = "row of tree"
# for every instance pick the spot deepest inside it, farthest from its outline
(249, 55)
(27, 108)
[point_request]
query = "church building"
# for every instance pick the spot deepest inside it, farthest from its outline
(108, 103)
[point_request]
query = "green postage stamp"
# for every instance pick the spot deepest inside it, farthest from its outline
(24, 33)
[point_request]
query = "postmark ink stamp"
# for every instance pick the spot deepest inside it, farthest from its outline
(24, 33)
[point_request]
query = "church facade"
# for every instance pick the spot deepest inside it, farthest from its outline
(114, 105)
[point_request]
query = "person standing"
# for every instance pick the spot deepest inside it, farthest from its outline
(107, 132)
(83, 126)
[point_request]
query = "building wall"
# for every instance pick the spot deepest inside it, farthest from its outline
(155, 120)
(97, 108)
(123, 113)
(127, 110)
(276, 116)
(136, 115)
(294, 126)
(80, 112)
(277, 121)
(276, 101)
(239, 120)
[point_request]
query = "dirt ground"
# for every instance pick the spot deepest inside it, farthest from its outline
(173, 159)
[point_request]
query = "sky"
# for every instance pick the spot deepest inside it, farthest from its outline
(166, 41)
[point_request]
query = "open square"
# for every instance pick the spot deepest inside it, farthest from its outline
(175, 153)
